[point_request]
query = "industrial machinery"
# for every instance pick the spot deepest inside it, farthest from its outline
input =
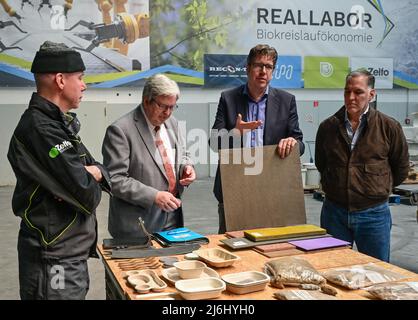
(4, 25)
(43, 3)
(116, 34)
(9, 10)
(22, 4)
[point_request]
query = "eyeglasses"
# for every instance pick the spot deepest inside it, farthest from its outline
(165, 108)
(260, 66)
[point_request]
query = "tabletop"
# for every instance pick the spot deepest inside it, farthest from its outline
(250, 261)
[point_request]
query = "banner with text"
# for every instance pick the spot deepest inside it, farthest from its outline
(124, 42)
(329, 37)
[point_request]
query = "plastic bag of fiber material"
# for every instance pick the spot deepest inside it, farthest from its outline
(361, 276)
(395, 291)
(302, 295)
(292, 271)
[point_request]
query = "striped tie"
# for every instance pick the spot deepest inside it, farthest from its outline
(166, 162)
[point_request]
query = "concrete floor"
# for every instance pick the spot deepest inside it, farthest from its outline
(200, 210)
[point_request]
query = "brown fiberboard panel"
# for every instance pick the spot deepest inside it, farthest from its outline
(280, 253)
(272, 198)
(235, 234)
(275, 247)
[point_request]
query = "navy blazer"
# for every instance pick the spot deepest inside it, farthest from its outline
(281, 121)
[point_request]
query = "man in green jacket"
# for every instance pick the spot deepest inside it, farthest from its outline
(361, 154)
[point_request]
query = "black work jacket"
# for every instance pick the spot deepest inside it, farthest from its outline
(55, 195)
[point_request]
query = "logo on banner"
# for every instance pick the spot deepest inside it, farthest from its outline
(328, 25)
(379, 72)
(389, 25)
(222, 70)
(229, 68)
(288, 72)
(380, 68)
(326, 69)
(325, 72)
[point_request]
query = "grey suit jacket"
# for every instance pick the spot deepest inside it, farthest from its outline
(137, 174)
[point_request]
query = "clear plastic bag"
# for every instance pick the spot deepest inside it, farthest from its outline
(361, 276)
(292, 271)
(395, 291)
(302, 295)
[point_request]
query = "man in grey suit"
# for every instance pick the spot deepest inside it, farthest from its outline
(255, 114)
(149, 166)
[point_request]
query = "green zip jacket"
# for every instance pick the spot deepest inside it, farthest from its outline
(55, 195)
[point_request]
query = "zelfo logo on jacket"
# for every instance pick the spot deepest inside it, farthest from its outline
(59, 148)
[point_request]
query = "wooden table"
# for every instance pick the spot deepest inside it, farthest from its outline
(117, 287)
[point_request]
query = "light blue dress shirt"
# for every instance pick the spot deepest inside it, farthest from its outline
(256, 111)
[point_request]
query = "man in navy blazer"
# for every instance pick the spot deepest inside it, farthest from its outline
(258, 115)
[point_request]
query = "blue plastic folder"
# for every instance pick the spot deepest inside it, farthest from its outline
(180, 236)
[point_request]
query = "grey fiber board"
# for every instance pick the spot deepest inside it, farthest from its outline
(260, 189)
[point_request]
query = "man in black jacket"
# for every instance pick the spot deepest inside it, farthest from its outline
(58, 185)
